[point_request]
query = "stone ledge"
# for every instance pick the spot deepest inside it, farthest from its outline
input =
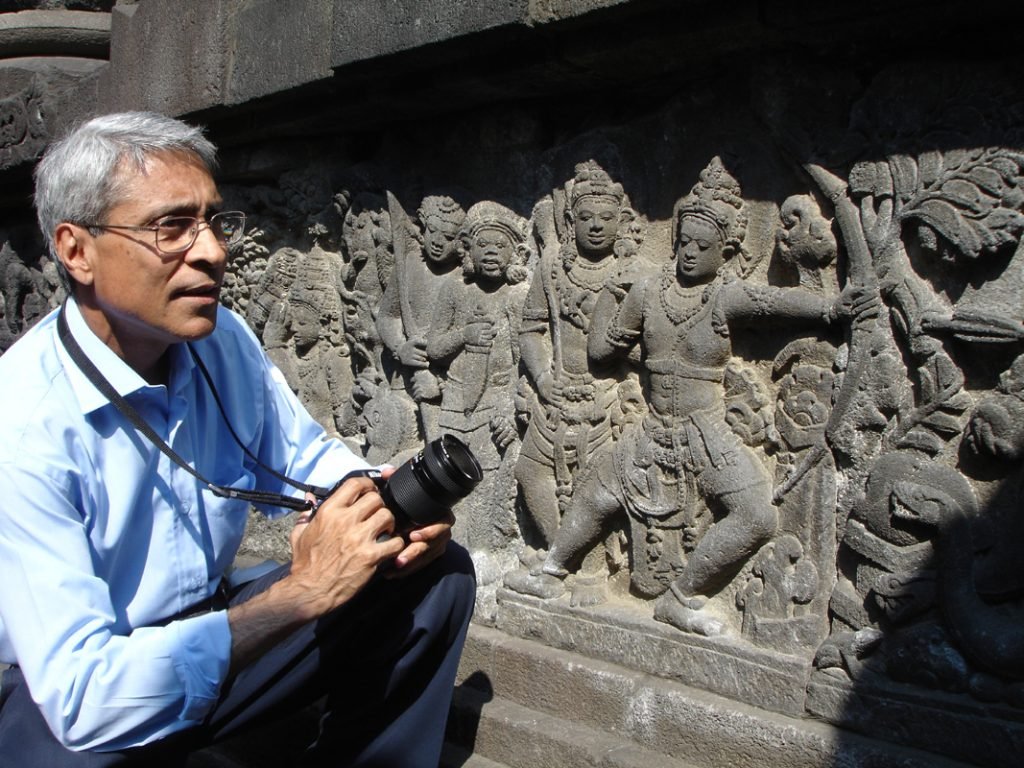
(54, 33)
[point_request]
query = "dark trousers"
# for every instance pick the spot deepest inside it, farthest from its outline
(385, 661)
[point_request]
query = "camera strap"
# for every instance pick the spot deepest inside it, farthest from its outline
(127, 410)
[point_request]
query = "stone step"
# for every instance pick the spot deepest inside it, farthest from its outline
(516, 695)
(520, 737)
(453, 756)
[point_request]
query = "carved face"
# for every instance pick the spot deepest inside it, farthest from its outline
(595, 225)
(358, 232)
(305, 326)
(491, 251)
(699, 251)
(438, 236)
(805, 237)
(801, 409)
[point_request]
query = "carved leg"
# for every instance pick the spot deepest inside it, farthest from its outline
(537, 486)
(585, 523)
(748, 520)
(583, 526)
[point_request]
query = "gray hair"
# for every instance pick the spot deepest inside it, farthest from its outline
(79, 177)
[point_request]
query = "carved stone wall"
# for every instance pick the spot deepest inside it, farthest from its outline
(727, 302)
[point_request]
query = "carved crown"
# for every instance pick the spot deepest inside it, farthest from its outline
(591, 180)
(715, 198)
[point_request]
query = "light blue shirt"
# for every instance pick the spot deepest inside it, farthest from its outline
(102, 536)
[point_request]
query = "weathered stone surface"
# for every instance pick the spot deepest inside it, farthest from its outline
(505, 681)
(169, 56)
(276, 46)
(54, 33)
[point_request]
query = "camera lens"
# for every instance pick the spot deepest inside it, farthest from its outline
(423, 490)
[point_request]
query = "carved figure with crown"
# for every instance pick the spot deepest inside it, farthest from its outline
(698, 501)
(587, 234)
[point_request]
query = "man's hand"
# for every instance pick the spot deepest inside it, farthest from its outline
(425, 545)
(334, 554)
(338, 551)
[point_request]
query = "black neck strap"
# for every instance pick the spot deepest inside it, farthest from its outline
(126, 409)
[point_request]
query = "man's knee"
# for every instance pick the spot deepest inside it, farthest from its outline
(457, 576)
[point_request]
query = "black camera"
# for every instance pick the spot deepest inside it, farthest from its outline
(424, 489)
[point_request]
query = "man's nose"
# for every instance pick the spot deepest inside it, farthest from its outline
(207, 247)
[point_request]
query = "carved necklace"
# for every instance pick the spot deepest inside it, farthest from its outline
(588, 275)
(672, 295)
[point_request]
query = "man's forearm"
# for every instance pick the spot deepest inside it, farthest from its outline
(259, 624)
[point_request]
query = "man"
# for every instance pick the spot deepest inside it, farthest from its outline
(125, 643)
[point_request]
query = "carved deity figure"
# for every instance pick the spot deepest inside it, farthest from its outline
(272, 289)
(320, 372)
(422, 266)
(474, 336)
(684, 447)
(577, 407)
(366, 267)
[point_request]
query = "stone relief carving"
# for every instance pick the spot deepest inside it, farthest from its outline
(698, 500)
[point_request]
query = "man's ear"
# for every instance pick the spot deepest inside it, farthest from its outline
(74, 247)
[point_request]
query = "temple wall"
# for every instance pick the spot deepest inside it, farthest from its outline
(726, 300)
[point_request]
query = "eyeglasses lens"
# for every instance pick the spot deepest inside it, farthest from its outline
(177, 234)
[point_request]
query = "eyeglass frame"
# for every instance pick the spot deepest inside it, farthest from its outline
(198, 223)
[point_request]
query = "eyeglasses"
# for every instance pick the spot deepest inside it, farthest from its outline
(176, 234)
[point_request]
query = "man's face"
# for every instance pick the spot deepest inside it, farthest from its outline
(699, 251)
(596, 223)
(136, 297)
(491, 252)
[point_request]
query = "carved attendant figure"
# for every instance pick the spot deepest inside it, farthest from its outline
(576, 408)
(475, 334)
(683, 317)
(409, 300)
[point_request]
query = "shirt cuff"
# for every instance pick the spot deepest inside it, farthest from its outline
(201, 660)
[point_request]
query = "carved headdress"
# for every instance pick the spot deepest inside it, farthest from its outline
(441, 206)
(314, 285)
(591, 180)
(716, 199)
(488, 214)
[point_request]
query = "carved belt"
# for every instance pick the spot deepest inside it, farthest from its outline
(693, 443)
(686, 370)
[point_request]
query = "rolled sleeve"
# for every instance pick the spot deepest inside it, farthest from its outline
(201, 655)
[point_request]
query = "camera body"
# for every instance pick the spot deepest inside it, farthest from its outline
(424, 489)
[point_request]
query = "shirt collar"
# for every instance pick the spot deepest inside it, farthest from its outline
(121, 376)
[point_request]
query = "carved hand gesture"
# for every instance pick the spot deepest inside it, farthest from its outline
(857, 302)
(993, 431)
(549, 387)
(503, 431)
(480, 331)
(413, 353)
